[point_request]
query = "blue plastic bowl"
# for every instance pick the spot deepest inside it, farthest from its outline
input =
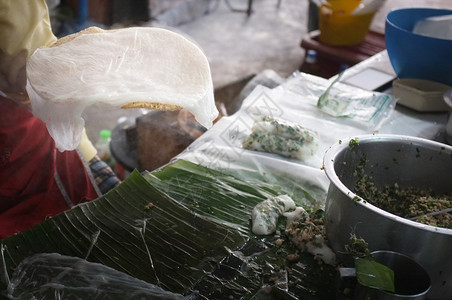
(413, 55)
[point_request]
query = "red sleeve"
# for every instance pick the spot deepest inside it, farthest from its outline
(36, 180)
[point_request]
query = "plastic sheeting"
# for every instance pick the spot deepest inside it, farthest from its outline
(55, 276)
(296, 101)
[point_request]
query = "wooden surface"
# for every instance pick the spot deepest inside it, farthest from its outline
(332, 58)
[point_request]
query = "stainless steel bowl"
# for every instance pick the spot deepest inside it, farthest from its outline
(408, 161)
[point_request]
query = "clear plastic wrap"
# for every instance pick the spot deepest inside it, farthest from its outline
(55, 276)
(283, 103)
(295, 102)
(117, 68)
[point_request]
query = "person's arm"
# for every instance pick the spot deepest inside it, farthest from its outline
(105, 178)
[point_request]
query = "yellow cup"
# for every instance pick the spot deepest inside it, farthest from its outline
(338, 27)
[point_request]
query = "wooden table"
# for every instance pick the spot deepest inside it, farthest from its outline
(332, 58)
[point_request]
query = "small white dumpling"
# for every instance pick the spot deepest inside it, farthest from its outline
(265, 214)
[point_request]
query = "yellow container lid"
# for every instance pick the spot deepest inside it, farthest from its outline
(338, 27)
(344, 6)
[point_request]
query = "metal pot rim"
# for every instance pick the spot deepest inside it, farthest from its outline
(340, 146)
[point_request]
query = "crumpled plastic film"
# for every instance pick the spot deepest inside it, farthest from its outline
(221, 147)
(51, 275)
(136, 64)
(295, 101)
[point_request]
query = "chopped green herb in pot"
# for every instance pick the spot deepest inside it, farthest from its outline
(408, 202)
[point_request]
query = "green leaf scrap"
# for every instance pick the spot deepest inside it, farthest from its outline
(374, 275)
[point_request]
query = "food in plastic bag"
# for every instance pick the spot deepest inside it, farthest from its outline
(281, 137)
(132, 67)
(359, 106)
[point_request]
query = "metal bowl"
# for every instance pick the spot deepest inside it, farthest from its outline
(408, 161)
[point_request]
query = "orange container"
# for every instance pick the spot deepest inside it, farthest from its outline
(338, 27)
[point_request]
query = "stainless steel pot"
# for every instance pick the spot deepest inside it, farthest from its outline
(408, 161)
(448, 100)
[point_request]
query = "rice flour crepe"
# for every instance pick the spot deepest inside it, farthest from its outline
(126, 68)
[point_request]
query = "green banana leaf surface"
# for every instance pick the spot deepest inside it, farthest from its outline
(184, 229)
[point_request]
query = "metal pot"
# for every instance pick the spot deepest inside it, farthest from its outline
(448, 100)
(408, 161)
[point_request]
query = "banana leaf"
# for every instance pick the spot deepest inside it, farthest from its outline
(184, 228)
(229, 200)
(134, 229)
(225, 198)
(211, 193)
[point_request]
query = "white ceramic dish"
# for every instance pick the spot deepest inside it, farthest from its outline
(421, 95)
